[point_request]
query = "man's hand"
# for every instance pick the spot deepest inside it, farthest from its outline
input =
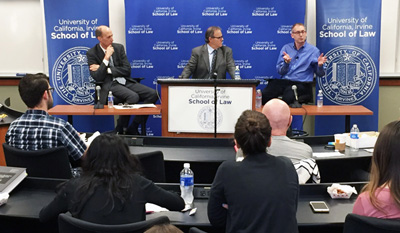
(109, 52)
(286, 58)
(321, 59)
(94, 67)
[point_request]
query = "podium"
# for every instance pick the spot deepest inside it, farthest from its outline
(188, 105)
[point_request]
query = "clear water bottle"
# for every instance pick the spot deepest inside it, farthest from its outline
(354, 138)
(187, 183)
(237, 73)
(110, 100)
(258, 98)
(320, 99)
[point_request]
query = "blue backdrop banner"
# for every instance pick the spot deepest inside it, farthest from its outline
(70, 27)
(161, 34)
(348, 32)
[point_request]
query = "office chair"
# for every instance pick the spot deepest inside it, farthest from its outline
(196, 230)
(152, 164)
(68, 224)
(48, 163)
(355, 224)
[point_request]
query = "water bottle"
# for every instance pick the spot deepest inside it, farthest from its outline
(354, 138)
(258, 98)
(110, 100)
(237, 73)
(187, 183)
(320, 99)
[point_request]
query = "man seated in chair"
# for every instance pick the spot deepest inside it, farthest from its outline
(36, 129)
(278, 114)
(109, 64)
(297, 63)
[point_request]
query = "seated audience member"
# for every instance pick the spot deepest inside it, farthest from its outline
(380, 198)
(164, 228)
(278, 114)
(110, 189)
(260, 193)
(36, 129)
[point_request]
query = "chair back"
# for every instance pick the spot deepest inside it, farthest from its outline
(153, 166)
(196, 230)
(68, 224)
(356, 224)
(48, 163)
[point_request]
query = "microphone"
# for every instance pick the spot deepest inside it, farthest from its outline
(214, 75)
(296, 103)
(98, 93)
(98, 105)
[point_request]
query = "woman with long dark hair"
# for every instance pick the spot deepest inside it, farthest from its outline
(381, 196)
(110, 189)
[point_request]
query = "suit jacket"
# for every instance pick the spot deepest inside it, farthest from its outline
(261, 193)
(122, 67)
(199, 64)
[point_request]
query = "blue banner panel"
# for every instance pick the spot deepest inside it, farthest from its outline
(348, 33)
(70, 32)
(161, 34)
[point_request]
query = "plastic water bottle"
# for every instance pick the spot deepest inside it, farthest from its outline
(320, 99)
(187, 183)
(110, 100)
(258, 98)
(354, 138)
(237, 73)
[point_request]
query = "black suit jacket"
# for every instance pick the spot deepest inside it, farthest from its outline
(122, 67)
(199, 64)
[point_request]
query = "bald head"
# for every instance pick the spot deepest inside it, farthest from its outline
(104, 35)
(278, 114)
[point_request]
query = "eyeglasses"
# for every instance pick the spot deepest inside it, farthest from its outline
(51, 89)
(219, 37)
(300, 32)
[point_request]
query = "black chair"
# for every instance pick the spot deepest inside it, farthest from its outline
(361, 224)
(152, 164)
(196, 230)
(68, 224)
(48, 163)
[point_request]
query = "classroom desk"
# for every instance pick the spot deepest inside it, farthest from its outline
(26, 201)
(71, 110)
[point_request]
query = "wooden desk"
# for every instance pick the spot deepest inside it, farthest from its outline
(72, 110)
(331, 110)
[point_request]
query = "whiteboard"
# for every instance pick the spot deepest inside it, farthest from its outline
(22, 37)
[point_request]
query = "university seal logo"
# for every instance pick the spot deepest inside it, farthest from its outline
(71, 77)
(350, 75)
(205, 117)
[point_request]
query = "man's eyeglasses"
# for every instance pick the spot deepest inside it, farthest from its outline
(300, 32)
(219, 37)
(51, 89)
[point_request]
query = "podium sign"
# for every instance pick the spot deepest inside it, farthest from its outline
(191, 108)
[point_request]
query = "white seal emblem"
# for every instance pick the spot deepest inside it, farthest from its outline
(350, 75)
(71, 77)
(205, 117)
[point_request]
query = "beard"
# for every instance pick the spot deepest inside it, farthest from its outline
(50, 103)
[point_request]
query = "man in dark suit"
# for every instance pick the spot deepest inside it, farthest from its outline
(207, 64)
(108, 64)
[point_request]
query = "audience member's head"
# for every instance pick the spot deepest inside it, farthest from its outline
(252, 132)
(35, 91)
(386, 163)
(108, 163)
(278, 114)
(164, 228)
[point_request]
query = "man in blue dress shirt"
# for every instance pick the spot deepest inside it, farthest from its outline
(297, 63)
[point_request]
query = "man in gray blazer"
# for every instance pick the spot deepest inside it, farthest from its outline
(204, 63)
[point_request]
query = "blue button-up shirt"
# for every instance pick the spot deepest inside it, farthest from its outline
(36, 130)
(303, 65)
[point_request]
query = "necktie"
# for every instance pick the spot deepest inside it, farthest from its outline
(214, 59)
(120, 80)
